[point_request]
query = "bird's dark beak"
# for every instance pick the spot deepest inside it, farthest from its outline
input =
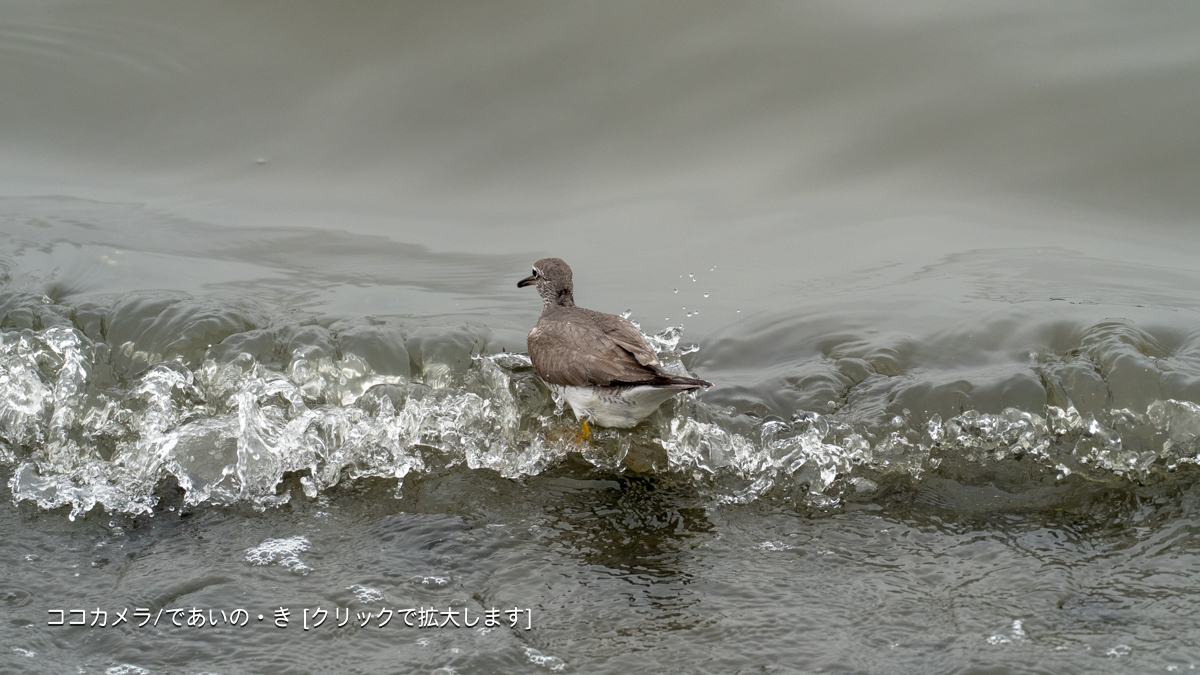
(527, 281)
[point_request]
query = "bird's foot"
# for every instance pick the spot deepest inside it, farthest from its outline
(585, 432)
(577, 435)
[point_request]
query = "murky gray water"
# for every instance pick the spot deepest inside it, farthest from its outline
(261, 349)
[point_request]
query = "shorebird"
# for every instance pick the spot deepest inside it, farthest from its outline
(600, 363)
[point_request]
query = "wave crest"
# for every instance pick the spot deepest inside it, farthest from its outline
(79, 428)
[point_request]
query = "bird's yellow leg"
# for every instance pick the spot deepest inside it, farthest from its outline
(585, 431)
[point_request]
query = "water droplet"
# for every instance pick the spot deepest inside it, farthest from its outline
(706, 295)
(689, 315)
(739, 311)
(676, 290)
(693, 277)
(260, 160)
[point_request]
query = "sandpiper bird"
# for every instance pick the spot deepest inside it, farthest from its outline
(600, 363)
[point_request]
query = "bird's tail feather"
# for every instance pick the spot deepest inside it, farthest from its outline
(669, 381)
(681, 382)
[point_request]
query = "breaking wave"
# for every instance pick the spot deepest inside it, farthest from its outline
(99, 405)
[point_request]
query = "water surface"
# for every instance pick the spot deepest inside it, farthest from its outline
(261, 346)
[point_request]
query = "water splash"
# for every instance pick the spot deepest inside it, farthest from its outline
(80, 429)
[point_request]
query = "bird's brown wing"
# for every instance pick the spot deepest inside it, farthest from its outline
(621, 331)
(576, 353)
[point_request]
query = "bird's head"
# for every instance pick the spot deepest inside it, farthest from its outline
(552, 277)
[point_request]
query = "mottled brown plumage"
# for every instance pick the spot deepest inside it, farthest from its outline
(575, 347)
(572, 347)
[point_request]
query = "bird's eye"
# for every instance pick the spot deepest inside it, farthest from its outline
(535, 272)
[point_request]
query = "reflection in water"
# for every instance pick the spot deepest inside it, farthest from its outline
(640, 531)
(637, 527)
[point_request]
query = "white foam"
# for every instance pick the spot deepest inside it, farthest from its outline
(282, 552)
